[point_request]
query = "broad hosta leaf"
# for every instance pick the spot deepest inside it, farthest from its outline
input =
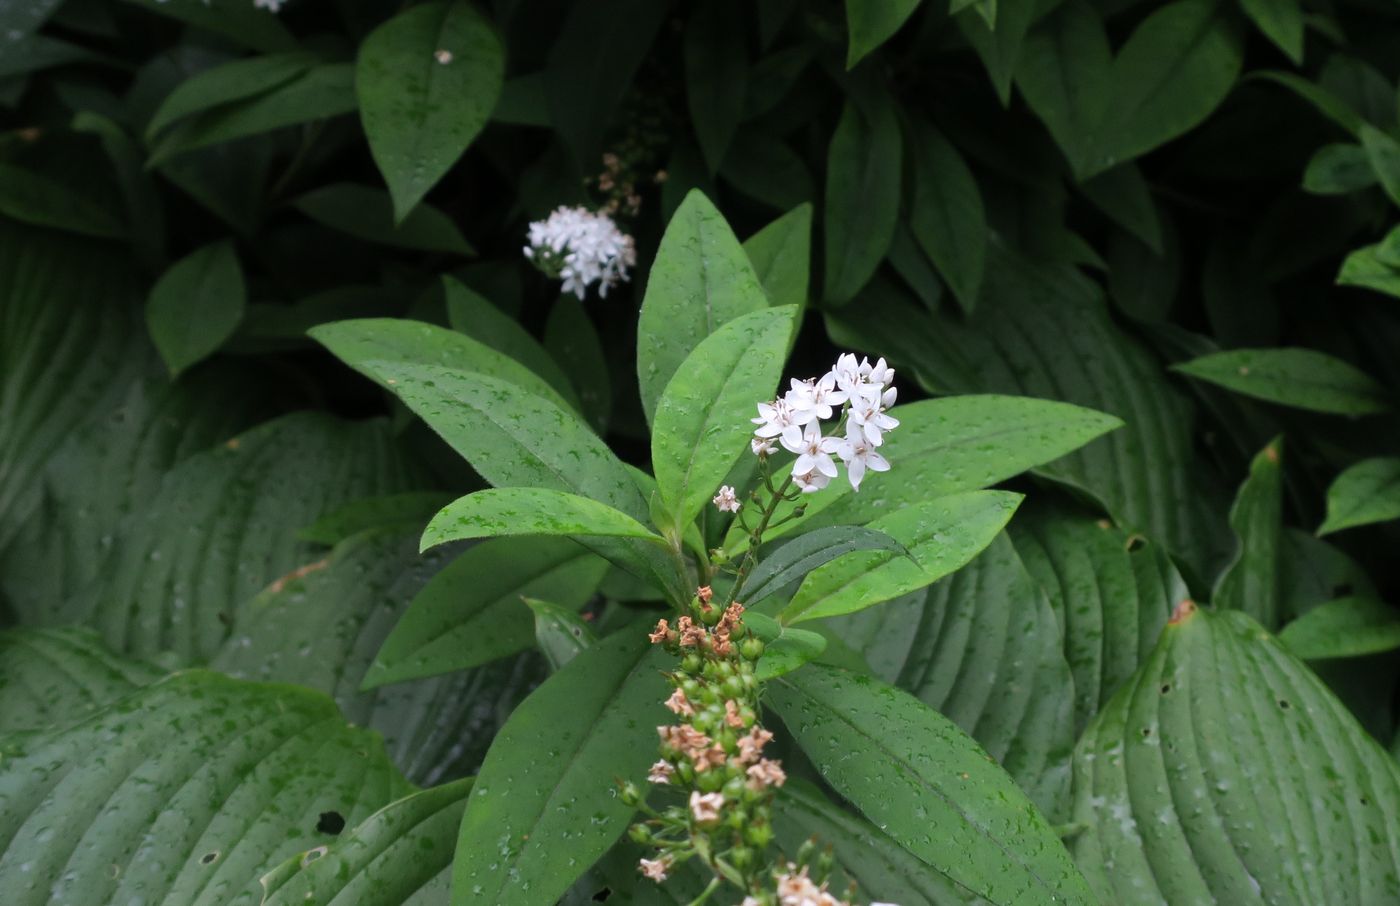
(367, 213)
(949, 445)
(66, 335)
(864, 853)
(320, 625)
(529, 511)
(927, 785)
(32, 198)
(409, 510)
(946, 215)
(215, 782)
(1045, 331)
(1302, 378)
(427, 81)
(702, 419)
(940, 536)
(781, 255)
(223, 524)
(1112, 593)
(196, 305)
(1346, 627)
(700, 281)
(559, 632)
(399, 856)
(863, 165)
(808, 551)
(532, 827)
(360, 343)
(982, 647)
(1365, 493)
(1251, 582)
(871, 24)
(470, 613)
(473, 315)
(55, 678)
(716, 73)
(1170, 818)
(235, 81)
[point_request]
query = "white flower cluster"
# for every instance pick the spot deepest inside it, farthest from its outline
(795, 888)
(581, 247)
(862, 391)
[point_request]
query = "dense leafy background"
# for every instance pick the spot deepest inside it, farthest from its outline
(228, 675)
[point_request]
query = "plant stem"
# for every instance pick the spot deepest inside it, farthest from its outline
(756, 538)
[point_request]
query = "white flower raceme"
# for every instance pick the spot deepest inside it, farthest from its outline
(862, 391)
(581, 248)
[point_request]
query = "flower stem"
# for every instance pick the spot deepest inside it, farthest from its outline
(756, 538)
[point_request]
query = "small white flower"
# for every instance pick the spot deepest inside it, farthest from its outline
(661, 772)
(272, 6)
(813, 451)
(879, 373)
(762, 446)
(705, 806)
(726, 500)
(859, 454)
(870, 417)
(816, 396)
(812, 482)
(443, 56)
(655, 868)
(581, 248)
(776, 417)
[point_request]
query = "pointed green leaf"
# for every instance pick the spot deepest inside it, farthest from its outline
(716, 76)
(1343, 628)
(427, 81)
(234, 81)
(809, 551)
(871, 24)
(863, 164)
(559, 632)
(946, 214)
(1364, 493)
(368, 214)
(473, 315)
(1251, 582)
(1281, 21)
(196, 305)
(1303, 378)
(533, 826)
(927, 785)
(1338, 169)
(497, 512)
(781, 255)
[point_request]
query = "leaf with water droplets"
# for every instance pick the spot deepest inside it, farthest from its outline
(559, 632)
(1304, 378)
(497, 512)
(55, 678)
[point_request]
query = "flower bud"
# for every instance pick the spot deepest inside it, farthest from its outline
(639, 833)
(758, 835)
(751, 649)
(631, 796)
(741, 856)
(709, 781)
(692, 663)
(733, 687)
(710, 614)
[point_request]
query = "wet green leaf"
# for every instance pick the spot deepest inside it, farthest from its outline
(1303, 378)
(495, 512)
(1364, 493)
(808, 551)
(473, 315)
(559, 632)
(781, 256)
(55, 678)
(1343, 628)
(1251, 582)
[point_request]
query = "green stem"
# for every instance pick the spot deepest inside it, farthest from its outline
(705, 895)
(755, 539)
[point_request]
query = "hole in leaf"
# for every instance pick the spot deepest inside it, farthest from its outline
(208, 858)
(1166, 687)
(1134, 543)
(331, 823)
(311, 855)
(1283, 703)
(1146, 731)
(603, 895)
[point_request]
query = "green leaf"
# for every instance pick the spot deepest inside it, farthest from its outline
(1343, 628)
(1123, 194)
(1383, 152)
(56, 678)
(573, 342)
(700, 281)
(1326, 101)
(34, 53)
(996, 29)
(1168, 819)
(367, 213)
(1374, 267)
(474, 316)
(786, 648)
(863, 166)
(470, 612)
(872, 24)
(768, 170)
(949, 445)
(716, 76)
(1065, 74)
(982, 648)
(246, 24)
(702, 419)
(222, 524)
(1281, 21)
(497, 512)
(940, 535)
(409, 510)
(323, 91)
(1293, 376)
(362, 342)
(946, 214)
(781, 255)
(238, 80)
(1251, 582)
(1111, 592)
(794, 560)
(531, 826)
(1338, 169)
(427, 81)
(196, 305)
(1365, 493)
(399, 856)
(31, 198)
(248, 769)
(559, 632)
(927, 785)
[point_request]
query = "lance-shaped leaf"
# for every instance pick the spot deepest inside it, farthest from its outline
(864, 161)
(196, 305)
(559, 632)
(946, 214)
(470, 613)
(805, 553)
(399, 856)
(495, 512)
(1302, 378)
(534, 825)
(940, 536)
(215, 782)
(702, 420)
(1365, 493)
(871, 24)
(234, 81)
(427, 81)
(781, 254)
(1346, 627)
(927, 785)
(786, 648)
(1251, 582)
(1168, 780)
(701, 280)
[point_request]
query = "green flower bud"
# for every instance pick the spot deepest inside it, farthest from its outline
(692, 663)
(758, 835)
(710, 616)
(734, 787)
(741, 856)
(709, 781)
(751, 649)
(631, 796)
(733, 687)
(640, 833)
